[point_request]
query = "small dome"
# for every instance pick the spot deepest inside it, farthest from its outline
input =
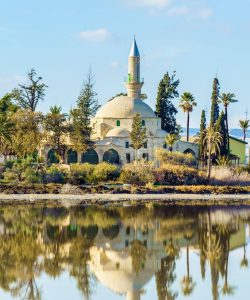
(123, 107)
(160, 133)
(118, 132)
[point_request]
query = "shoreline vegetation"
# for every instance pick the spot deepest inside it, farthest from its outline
(174, 174)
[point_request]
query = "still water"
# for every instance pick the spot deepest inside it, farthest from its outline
(127, 253)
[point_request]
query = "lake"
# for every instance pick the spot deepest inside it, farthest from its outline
(138, 252)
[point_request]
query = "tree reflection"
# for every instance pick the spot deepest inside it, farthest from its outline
(139, 242)
(244, 261)
(187, 281)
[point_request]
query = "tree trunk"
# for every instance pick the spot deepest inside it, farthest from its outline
(187, 126)
(136, 155)
(188, 273)
(209, 164)
(244, 134)
(226, 117)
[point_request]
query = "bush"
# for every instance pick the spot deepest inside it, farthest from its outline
(81, 173)
(15, 170)
(229, 176)
(31, 176)
(9, 163)
(54, 174)
(167, 157)
(138, 173)
(171, 174)
(105, 172)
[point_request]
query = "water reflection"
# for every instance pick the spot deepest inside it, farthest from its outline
(121, 248)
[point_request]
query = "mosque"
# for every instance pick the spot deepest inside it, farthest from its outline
(113, 122)
(112, 125)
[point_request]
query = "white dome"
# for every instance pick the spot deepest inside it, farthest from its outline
(123, 107)
(160, 133)
(118, 132)
(121, 281)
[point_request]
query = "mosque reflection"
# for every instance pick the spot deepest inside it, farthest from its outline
(123, 248)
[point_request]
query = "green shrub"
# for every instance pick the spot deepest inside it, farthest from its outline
(9, 163)
(105, 172)
(31, 176)
(171, 174)
(138, 173)
(15, 170)
(81, 173)
(54, 174)
(167, 157)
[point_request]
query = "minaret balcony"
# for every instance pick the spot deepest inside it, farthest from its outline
(130, 79)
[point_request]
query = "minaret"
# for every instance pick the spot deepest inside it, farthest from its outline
(133, 295)
(134, 82)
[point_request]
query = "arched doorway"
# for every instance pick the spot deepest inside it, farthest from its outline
(72, 156)
(111, 232)
(111, 156)
(90, 157)
(52, 157)
(189, 151)
(90, 232)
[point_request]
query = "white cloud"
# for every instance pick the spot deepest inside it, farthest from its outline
(114, 64)
(178, 11)
(149, 3)
(204, 13)
(98, 35)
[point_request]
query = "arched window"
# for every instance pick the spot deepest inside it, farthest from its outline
(52, 157)
(72, 156)
(111, 156)
(90, 157)
(165, 146)
(118, 123)
(143, 122)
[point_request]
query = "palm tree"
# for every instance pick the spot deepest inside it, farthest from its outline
(6, 131)
(56, 126)
(187, 281)
(187, 103)
(227, 99)
(212, 142)
(171, 139)
(244, 125)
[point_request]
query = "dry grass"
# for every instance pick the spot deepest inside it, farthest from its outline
(167, 157)
(228, 176)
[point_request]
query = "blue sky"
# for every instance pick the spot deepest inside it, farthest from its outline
(61, 39)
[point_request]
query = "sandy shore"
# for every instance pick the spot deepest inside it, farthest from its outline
(103, 199)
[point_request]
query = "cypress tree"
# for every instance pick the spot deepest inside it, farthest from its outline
(215, 110)
(165, 109)
(222, 129)
(202, 135)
